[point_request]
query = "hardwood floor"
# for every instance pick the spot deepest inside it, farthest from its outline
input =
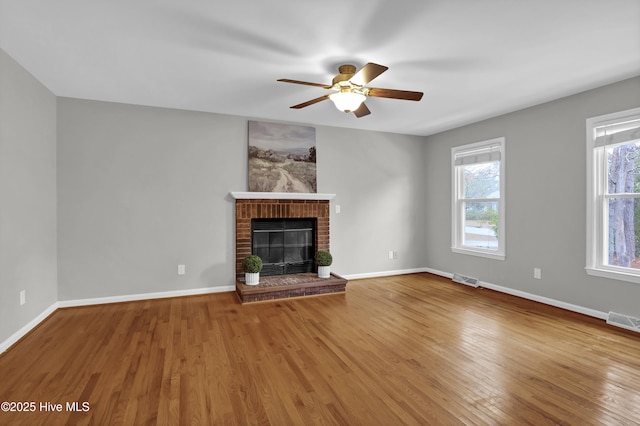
(413, 349)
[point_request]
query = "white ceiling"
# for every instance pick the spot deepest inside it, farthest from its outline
(473, 59)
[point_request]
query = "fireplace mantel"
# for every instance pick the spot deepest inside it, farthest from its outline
(280, 196)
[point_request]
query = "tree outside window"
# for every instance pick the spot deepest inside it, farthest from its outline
(623, 183)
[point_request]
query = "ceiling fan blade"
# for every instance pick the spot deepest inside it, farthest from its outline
(368, 73)
(395, 94)
(306, 83)
(311, 102)
(362, 111)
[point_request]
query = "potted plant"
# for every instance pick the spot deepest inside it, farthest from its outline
(324, 261)
(251, 266)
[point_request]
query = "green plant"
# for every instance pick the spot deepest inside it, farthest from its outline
(493, 221)
(323, 258)
(252, 264)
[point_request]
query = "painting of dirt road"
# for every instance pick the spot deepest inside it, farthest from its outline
(282, 158)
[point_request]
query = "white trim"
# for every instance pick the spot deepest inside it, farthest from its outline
(529, 296)
(438, 272)
(27, 328)
(103, 300)
(546, 300)
(280, 196)
(481, 253)
(144, 296)
(614, 275)
(384, 273)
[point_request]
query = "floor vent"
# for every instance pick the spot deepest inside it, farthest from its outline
(463, 279)
(624, 321)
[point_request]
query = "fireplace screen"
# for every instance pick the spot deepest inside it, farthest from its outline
(286, 246)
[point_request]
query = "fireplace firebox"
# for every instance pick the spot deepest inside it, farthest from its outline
(285, 245)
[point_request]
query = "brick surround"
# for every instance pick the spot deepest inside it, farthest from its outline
(247, 209)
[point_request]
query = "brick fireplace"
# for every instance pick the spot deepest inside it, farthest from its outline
(279, 206)
(269, 205)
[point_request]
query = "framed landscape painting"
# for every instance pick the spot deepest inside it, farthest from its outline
(282, 158)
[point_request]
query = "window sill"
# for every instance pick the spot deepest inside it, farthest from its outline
(614, 275)
(489, 255)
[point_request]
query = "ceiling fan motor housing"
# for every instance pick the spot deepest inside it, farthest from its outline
(346, 72)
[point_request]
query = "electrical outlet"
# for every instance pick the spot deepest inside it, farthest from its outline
(390, 254)
(181, 269)
(537, 273)
(23, 297)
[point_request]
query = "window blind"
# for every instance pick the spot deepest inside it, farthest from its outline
(619, 133)
(484, 154)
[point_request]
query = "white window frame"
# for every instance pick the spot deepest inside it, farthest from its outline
(457, 210)
(597, 224)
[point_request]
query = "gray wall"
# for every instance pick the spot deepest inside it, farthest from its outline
(28, 259)
(378, 179)
(143, 189)
(546, 201)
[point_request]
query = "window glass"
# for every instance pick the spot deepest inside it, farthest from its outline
(482, 180)
(481, 225)
(623, 213)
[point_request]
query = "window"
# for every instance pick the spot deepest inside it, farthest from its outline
(613, 195)
(478, 199)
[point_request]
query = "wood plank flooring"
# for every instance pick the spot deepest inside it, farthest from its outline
(413, 349)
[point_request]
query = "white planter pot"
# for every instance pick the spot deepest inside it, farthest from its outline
(324, 271)
(252, 278)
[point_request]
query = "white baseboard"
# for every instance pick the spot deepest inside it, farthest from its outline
(384, 273)
(144, 296)
(536, 298)
(547, 301)
(102, 300)
(27, 328)
(436, 272)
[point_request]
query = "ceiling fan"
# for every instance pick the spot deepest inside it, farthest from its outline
(350, 89)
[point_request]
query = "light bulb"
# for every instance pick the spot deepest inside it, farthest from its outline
(347, 101)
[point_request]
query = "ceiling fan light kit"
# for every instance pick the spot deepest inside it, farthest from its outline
(351, 91)
(347, 101)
